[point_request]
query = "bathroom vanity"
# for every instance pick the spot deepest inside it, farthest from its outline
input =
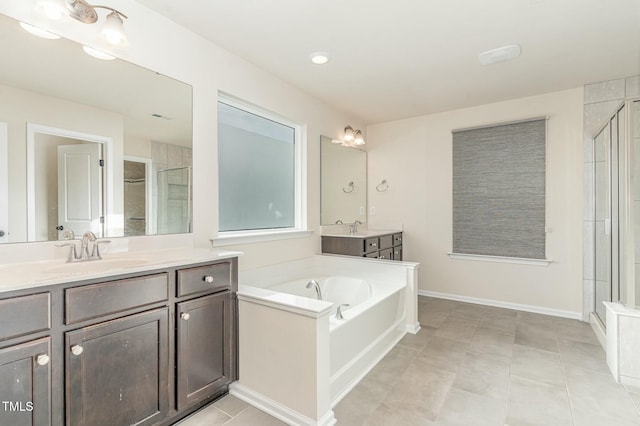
(142, 341)
(378, 244)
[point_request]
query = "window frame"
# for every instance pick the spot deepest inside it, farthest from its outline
(299, 229)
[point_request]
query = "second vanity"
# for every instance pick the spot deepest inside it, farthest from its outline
(139, 339)
(371, 243)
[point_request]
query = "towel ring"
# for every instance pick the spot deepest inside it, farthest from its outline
(351, 188)
(382, 186)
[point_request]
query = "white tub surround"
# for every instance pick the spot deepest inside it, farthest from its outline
(296, 359)
(623, 343)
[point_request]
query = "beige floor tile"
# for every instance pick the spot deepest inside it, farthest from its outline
(393, 365)
(484, 375)
(535, 403)
(419, 340)
(230, 405)
(466, 408)
(592, 392)
(575, 330)
(497, 323)
(394, 416)
(361, 401)
(469, 311)
(420, 392)
(442, 353)
(208, 416)
(583, 355)
(535, 319)
(429, 318)
(252, 417)
(536, 364)
(458, 329)
(492, 342)
(536, 336)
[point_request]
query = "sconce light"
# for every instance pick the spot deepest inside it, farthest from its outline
(351, 137)
(112, 31)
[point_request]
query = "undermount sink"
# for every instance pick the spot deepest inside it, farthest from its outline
(96, 266)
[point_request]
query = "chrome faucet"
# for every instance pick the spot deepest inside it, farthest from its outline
(339, 310)
(316, 287)
(83, 256)
(353, 228)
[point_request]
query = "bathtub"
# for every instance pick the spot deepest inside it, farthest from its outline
(371, 324)
(314, 358)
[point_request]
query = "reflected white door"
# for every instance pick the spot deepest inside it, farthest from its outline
(80, 189)
(4, 185)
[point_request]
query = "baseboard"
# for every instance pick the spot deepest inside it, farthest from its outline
(501, 304)
(413, 328)
(277, 410)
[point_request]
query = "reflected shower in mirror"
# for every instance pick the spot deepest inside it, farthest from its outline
(123, 111)
(343, 183)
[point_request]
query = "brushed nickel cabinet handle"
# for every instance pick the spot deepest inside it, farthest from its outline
(185, 316)
(77, 350)
(208, 278)
(42, 359)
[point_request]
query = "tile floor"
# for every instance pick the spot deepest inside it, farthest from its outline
(476, 365)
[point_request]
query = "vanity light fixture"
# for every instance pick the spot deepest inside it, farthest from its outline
(97, 53)
(51, 9)
(352, 137)
(112, 31)
(38, 31)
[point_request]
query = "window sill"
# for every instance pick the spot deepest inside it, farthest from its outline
(500, 259)
(244, 237)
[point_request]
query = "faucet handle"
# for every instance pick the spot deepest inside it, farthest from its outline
(339, 310)
(95, 253)
(73, 254)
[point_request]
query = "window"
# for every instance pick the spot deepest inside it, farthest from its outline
(499, 190)
(259, 170)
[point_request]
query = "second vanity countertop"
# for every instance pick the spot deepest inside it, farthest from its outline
(365, 233)
(26, 275)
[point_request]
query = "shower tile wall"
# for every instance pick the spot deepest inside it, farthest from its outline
(134, 199)
(170, 205)
(600, 102)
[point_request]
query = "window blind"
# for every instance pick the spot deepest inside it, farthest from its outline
(499, 190)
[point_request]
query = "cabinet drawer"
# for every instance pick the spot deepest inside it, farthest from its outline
(204, 279)
(96, 300)
(397, 239)
(397, 253)
(25, 314)
(386, 254)
(371, 244)
(386, 241)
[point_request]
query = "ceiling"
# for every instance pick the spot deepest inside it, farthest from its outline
(396, 59)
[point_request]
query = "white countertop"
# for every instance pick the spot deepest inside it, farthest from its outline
(365, 233)
(27, 275)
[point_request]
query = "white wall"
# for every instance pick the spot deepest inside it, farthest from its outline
(414, 155)
(159, 44)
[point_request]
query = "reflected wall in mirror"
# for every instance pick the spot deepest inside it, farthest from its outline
(53, 95)
(343, 183)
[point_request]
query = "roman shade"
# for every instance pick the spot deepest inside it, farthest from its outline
(499, 190)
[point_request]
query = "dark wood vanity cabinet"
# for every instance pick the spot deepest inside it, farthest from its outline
(383, 246)
(116, 371)
(25, 384)
(205, 349)
(136, 349)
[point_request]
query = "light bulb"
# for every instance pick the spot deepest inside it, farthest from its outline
(358, 139)
(50, 9)
(113, 32)
(348, 134)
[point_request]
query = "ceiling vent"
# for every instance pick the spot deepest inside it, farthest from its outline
(501, 54)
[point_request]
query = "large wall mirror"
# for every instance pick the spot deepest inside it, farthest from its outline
(343, 182)
(89, 144)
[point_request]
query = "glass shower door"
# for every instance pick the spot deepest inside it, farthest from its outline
(602, 187)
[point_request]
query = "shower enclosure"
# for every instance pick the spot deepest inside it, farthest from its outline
(617, 210)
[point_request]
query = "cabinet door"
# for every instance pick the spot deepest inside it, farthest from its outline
(205, 347)
(117, 371)
(25, 378)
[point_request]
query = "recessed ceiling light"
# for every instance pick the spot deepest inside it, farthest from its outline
(501, 54)
(38, 31)
(319, 58)
(97, 53)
